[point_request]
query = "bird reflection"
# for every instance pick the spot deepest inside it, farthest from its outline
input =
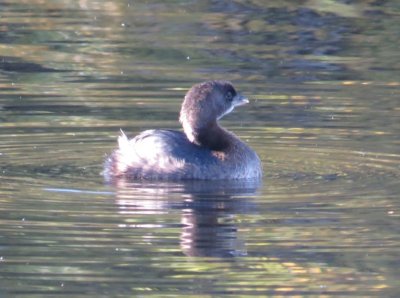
(208, 211)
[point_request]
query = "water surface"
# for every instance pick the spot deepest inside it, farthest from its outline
(323, 79)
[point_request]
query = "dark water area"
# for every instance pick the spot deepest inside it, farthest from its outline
(323, 80)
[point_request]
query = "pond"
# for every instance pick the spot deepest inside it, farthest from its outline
(323, 81)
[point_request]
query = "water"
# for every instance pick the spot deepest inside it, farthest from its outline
(324, 82)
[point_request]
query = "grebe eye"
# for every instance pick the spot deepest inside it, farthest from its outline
(229, 96)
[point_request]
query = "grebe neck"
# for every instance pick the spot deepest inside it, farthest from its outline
(211, 136)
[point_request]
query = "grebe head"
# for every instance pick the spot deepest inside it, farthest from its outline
(205, 103)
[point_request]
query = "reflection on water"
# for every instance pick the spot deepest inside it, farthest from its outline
(323, 79)
(208, 211)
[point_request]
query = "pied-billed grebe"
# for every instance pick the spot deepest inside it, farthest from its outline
(203, 151)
